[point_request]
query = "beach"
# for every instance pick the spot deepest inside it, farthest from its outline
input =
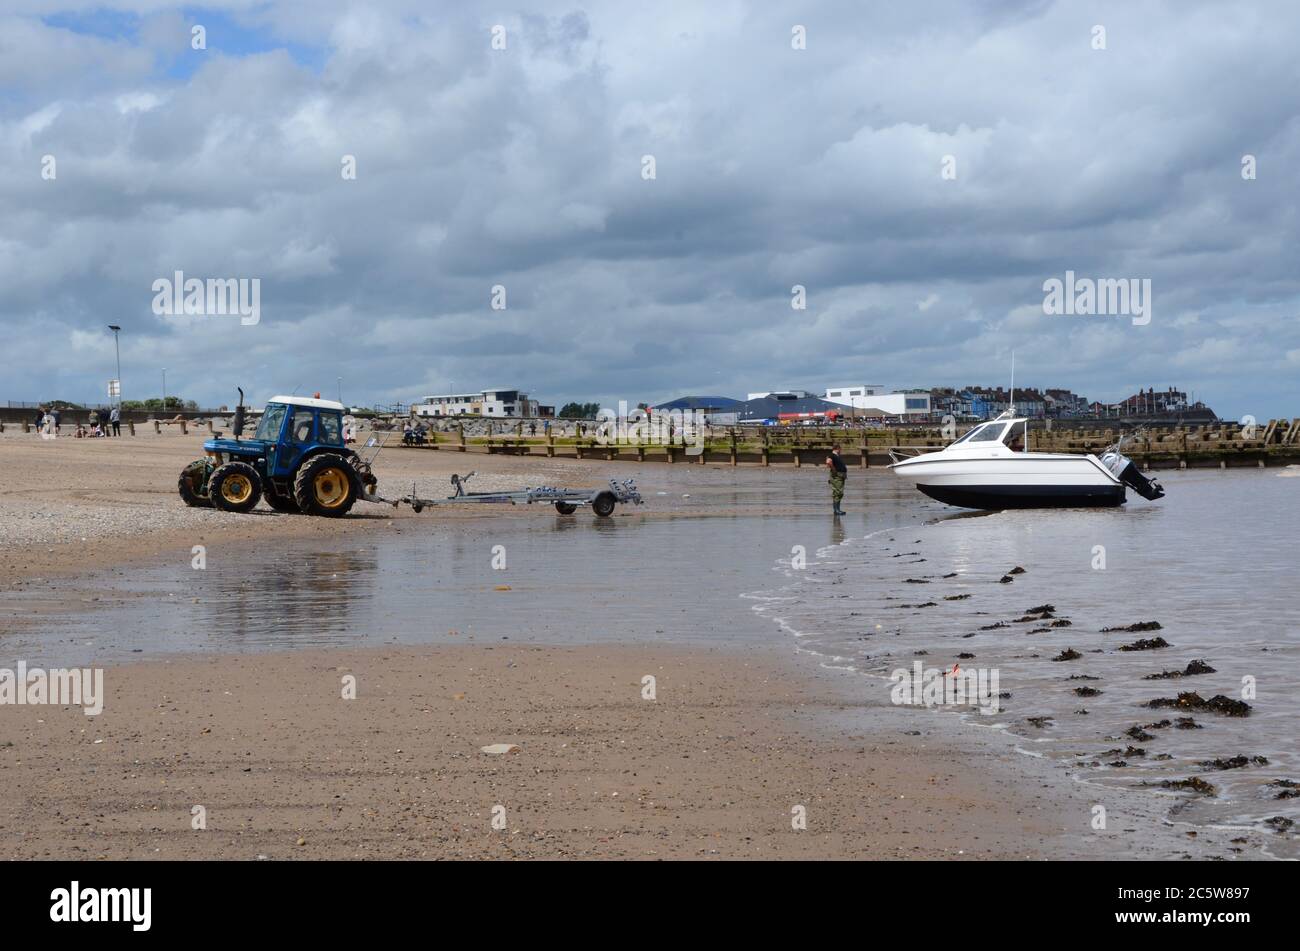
(285, 768)
(225, 688)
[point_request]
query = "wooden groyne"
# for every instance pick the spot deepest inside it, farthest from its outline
(1173, 447)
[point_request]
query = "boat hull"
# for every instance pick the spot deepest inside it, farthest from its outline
(1006, 480)
(993, 497)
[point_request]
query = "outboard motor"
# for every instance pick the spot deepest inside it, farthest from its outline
(1124, 469)
(238, 425)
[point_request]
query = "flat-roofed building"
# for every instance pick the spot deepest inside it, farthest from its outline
(872, 396)
(494, 404)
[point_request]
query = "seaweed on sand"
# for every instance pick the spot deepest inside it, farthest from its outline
(1193, 668)
(1234, 762)
(1194, 701)
(1195, 784)
(1145, 644)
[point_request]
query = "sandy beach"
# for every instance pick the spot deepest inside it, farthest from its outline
(284, 767)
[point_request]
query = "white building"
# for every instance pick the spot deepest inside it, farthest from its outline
(841, 394)
(496, 404)
(872, 396)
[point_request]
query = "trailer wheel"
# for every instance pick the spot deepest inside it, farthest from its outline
(190, 484)
(603, 504)
(235, 487)
(326, 485)
(565, 508)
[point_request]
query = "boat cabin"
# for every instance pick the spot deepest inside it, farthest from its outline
(1011, 435)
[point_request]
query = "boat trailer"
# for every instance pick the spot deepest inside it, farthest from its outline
(566, 501)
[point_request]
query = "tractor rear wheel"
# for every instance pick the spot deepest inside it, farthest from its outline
(190, 484)
(603, 504)
(235, 487)
(326, 485)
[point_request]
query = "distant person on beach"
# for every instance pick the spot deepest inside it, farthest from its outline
(115, 417)
(837, 474)
(57, 424)
(94, 420)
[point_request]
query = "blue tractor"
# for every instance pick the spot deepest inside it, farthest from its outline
(296, 460)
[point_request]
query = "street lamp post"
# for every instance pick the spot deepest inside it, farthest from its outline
(118, 350)
(164, 405)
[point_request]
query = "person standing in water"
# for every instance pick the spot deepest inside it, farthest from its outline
(837, 473)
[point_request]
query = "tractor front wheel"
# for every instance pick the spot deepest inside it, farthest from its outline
(235, 487)
(326, 485)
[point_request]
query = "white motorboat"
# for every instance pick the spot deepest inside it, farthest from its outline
(989, 468)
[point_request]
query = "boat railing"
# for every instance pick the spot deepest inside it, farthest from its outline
(899, 453)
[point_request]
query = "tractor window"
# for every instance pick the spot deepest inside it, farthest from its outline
(331, 429)
(302, 420)
(268, 427)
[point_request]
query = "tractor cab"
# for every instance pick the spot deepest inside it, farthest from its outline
(296, 458)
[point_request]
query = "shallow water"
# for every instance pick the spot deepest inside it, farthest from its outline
(1213, 563)
(709, 560)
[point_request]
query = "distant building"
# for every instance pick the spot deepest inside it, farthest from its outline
(1151, 402)
(789, 408)
(496, 404)
(860, 391)
(1064, 404)
(715, 410)
(871, 401)
(781, 394)
(699, 404)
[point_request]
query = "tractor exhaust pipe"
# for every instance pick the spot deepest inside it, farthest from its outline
(238, 425)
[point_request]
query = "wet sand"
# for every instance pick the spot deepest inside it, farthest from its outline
(286, 768)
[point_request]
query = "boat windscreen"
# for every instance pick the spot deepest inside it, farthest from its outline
(988, 433)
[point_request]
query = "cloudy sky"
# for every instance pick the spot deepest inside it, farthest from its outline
(773, 166)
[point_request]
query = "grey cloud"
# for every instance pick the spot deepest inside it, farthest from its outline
(775, 167)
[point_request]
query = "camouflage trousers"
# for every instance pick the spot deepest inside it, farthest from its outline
(837, 480)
